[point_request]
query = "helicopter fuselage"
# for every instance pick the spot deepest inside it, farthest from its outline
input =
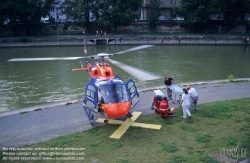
(107, 93)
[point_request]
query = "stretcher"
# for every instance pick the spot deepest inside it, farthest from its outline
(177, 91)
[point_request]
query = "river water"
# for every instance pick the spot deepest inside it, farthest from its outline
(24, 84)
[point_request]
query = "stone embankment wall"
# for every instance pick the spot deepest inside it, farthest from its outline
(125, 40)
(181, 40)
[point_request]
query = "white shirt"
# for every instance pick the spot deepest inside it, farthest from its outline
(192, 92)
(185, 98)
(158, 92)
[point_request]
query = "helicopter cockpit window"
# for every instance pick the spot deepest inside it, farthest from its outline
(113, 93)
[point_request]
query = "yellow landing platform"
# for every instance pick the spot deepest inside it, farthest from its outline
(126, 124)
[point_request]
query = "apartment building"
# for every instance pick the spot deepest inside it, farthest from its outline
(166, 9)
(55, 14)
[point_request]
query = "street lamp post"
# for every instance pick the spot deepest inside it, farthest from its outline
(220, 26)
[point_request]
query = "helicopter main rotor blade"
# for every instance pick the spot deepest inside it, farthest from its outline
(134, 49)
(74, 58)
(43, 59)
(136, 72)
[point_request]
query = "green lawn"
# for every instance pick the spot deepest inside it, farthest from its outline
(214, 127)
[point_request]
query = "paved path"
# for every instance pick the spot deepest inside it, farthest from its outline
(32, 125)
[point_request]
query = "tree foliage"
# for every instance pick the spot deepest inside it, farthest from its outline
(154, 14)
(24, 15)
(197, 13)
(83, 11)
(114, 13)
(231, 10)
(105, 13)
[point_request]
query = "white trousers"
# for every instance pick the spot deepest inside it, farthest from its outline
(186, 111)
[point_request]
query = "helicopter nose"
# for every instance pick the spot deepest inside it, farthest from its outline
(117, 109)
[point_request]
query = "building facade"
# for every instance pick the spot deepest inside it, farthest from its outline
(55, 14)
(166, 9)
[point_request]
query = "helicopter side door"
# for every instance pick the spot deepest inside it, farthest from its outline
(91, 93)
(133, 92)
(90, 99)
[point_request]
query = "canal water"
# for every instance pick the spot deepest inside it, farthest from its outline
(24, 84)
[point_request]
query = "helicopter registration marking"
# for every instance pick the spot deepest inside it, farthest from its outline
(127, 123)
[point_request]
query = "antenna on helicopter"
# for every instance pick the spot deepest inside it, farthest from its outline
(85, 52)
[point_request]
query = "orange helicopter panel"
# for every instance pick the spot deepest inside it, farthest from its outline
(117, 109)
(102, 70)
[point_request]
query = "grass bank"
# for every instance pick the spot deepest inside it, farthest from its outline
(215, 128)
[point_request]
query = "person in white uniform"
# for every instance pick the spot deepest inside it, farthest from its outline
(185, 103)
(193, 98)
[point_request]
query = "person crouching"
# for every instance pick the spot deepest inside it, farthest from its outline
(157, 97)
(163, 109)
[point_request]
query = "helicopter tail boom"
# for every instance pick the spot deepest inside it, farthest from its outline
(80, 69)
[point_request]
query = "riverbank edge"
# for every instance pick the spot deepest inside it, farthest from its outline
(68, 102)
(126, 40)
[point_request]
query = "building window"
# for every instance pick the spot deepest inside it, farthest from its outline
(174, 2)
(163, 2)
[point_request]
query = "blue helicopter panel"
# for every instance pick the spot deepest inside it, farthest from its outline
(108, 91)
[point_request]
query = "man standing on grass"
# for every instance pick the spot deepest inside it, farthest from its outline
(193, 98)
(168, 82)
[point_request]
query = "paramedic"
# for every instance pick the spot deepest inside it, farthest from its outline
(193, 98)
(157, 97)
(164, 103)
(185, 103)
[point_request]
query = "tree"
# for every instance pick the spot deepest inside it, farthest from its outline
(3, 12)
(24, 15)
(82, 10)
(154, 13)
(196, 13)
(114, 13)
(231, 10)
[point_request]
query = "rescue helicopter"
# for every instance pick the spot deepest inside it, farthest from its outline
(105, 92)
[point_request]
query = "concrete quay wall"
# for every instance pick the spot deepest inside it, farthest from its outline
(125, 40)
(175, 40)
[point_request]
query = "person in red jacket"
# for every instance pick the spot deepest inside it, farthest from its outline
(164, 103)
(163, 109)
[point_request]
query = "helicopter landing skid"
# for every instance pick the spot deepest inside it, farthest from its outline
(129, 115)
(102, 112)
